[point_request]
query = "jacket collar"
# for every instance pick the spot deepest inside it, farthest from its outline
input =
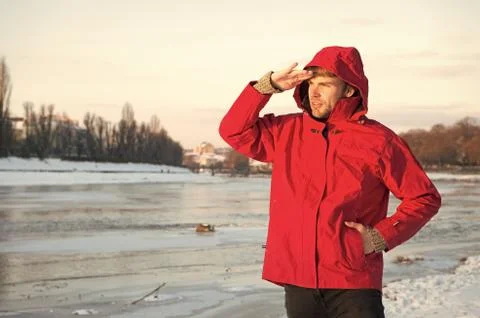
(344, 110)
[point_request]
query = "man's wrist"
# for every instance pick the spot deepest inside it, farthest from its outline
(376, 239)
(265, 85)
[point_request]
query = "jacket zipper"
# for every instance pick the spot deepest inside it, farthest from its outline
(317, 254)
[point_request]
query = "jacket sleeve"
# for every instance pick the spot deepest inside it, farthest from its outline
(242, 128)
(405, 178)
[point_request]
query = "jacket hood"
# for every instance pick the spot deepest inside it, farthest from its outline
(345, 63)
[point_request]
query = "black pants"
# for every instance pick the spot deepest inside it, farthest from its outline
(333, 303)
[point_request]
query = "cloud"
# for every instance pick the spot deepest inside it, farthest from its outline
(444, 65)
(433, 108)
(438, 56)
(212, 110)
(471, 56)
(431, 63)
(425, 54)
(460, 41)
(104, 105)
(365, 22)
(448, 71)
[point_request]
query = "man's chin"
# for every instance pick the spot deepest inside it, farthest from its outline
(319, 115)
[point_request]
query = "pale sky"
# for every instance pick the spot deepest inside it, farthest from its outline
(187, 61)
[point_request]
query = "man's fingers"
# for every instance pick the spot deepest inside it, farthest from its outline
(288, 70)
(289, 77)
(300, 74)
(354, 225)
(305, 75)
(291, 67)
(297, 76)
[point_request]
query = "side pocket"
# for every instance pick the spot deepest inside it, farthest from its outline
(353, 255)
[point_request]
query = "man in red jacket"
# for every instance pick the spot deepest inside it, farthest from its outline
(333, 171)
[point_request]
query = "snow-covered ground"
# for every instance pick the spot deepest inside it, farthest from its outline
(445, 176)
(57, 165)
(23, 172)
(440, 296)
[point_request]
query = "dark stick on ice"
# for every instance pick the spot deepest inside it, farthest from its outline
(150, 293)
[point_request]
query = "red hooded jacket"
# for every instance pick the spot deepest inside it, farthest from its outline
(326, 173)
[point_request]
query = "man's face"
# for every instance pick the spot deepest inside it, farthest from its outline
(323, 93)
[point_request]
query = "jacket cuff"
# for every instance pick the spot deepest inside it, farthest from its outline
(265, 85)
(253, 96)
(376, 240)
(386, 228)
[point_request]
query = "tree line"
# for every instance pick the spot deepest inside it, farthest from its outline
(443, 146)
(47, 134)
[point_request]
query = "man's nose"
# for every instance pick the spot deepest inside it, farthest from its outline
(316, 92)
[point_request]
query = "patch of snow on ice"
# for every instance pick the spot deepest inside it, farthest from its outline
(85, 312)
(447, 295)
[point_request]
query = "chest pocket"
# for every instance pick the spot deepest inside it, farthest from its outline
(354, 160)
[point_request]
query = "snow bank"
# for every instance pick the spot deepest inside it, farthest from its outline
(85, 312)
(439, 296)
(57, 165)
(26, 172)
(443, 176)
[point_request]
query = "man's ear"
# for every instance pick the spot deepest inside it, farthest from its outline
(349, 91)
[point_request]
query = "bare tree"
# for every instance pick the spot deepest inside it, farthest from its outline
(154, 124)
(109, 139)
(6, 127)
(471, 150)
(142, 143)
(127, 134)
(62, 139)
(39, 129)
(100, 132)
(28, 147)
(89, 122)
(44, 131)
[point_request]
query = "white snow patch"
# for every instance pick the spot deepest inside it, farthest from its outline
(26, 172)
(445, 176)
(439, 296)
(85, 312)
(34, 164)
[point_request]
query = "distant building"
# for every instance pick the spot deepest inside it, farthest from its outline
(204, 155)
(209, 159)
(223, 151)
(205, 147)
